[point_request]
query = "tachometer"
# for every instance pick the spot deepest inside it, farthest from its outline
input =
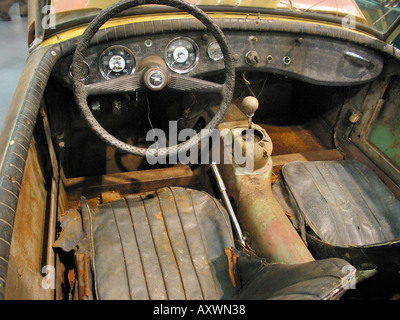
(181, 55)
(116, 61)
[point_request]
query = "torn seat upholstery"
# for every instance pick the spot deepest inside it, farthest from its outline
(172, 244)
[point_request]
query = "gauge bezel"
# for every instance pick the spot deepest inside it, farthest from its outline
(196, 50)
(208, 51)
(113, 47)
(83, 78)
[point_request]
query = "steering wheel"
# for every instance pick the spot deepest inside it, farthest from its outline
(152, 75)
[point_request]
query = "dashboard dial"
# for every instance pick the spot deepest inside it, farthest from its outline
(116, 61)
(85, 71)
(214, 51)
(181, 55)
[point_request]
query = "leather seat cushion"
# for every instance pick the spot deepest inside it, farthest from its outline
(343, 202)
(167, 244)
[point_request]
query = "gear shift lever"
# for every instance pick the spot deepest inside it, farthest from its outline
(249, 107)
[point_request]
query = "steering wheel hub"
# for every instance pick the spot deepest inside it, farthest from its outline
(155, 78)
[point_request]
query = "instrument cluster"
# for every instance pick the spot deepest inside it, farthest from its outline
(181, 55)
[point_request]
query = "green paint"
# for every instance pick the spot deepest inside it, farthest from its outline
(385, 132)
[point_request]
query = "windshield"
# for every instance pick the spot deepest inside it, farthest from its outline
(375, 16)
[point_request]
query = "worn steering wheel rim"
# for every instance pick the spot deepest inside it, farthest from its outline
(80, 92)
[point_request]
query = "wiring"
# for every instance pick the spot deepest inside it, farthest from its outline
(247, 82)
(148, 118)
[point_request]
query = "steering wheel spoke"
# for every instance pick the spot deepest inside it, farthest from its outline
(125, 84)
(189, 84)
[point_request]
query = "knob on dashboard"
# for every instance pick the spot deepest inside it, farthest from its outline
(252, 58)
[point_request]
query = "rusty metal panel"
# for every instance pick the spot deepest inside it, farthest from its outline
(24, 271)
(131, 182)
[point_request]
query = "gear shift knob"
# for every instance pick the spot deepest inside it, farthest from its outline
(249, 107)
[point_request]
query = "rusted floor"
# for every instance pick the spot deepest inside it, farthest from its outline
(292, 139)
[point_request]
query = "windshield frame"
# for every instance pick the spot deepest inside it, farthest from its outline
(68, 21)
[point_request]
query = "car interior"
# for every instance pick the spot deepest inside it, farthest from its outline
(319, 211)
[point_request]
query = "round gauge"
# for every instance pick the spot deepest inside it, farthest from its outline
(85, 71)
(116, 61)
(214, 51)
(181, 55)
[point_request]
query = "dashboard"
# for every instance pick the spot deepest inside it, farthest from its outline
(308, 58)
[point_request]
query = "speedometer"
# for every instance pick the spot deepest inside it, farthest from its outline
(116, 61)
(181, 55)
